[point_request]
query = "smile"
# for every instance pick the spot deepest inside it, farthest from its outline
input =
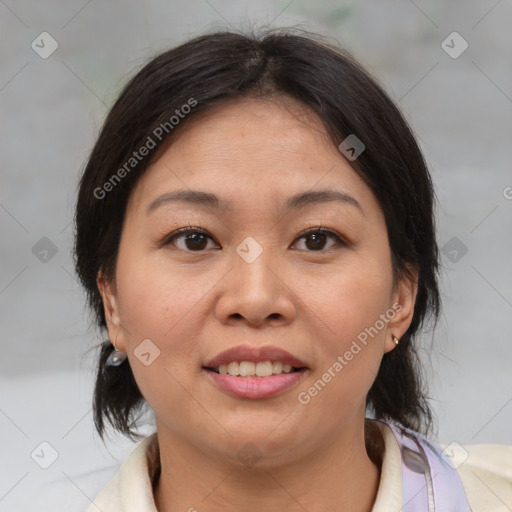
(250, 372)
(251, 368)
(255, 387)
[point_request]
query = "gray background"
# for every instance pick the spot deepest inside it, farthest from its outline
(460, 108)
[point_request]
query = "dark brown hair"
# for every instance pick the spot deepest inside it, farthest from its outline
(225, 66)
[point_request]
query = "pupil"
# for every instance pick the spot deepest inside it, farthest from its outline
(319, 240)
(197, 239)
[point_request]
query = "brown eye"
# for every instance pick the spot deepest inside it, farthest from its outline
(192, 240)
(316, 239)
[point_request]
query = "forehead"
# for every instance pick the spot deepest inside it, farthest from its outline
(248, 152)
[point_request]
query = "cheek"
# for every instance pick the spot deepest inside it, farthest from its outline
(162, 307)
(351, 298)
(155, 302)
(351, 306)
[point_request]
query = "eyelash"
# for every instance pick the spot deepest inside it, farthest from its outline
(340, 241)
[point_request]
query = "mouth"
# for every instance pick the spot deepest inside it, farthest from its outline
(255, 373)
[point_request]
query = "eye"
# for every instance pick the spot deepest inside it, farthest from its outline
(317, 237)
(193, 239)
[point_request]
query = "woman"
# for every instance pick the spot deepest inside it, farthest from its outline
(255, 230)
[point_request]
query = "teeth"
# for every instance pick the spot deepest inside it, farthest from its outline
(264, 369)
(233, 369)
(277, 367)
(251, 369)
(247, 369)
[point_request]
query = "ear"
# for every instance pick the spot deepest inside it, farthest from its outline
(403, 300)
(111, 308)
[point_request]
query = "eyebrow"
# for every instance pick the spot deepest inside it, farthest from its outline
(294, 202)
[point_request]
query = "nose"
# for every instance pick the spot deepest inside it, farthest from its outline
(256, 293)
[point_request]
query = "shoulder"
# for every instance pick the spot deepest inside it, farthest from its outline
(486, 474)
(130, 490)
(484, 471)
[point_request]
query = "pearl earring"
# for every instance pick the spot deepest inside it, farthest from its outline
(116, 357)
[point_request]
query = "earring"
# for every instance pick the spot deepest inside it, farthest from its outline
(395, 339)
(116, 357)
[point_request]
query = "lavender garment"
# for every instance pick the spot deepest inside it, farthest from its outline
(429, 480)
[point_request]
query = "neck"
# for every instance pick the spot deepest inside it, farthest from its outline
(340, 476)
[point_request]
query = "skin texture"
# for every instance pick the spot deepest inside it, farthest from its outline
(193, 304)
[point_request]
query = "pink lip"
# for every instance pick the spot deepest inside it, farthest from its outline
(256, 387)
(256, 355)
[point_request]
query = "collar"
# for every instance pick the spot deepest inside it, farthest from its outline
(131, 489)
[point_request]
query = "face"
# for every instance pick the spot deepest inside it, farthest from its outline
(260, 271)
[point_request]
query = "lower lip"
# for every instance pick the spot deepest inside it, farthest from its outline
(256, 387)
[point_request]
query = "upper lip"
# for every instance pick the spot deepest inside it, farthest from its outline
(255, 354)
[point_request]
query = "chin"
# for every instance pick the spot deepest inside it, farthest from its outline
(272, 436)
(265, 453)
